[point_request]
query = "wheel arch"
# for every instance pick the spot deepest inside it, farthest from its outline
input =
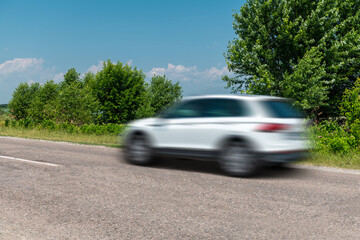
(236, 138)
(138, 132)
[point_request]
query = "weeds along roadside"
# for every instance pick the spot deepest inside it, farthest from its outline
(104, 134)
(334, 144)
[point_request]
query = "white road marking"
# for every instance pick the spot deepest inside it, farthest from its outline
(30, 161)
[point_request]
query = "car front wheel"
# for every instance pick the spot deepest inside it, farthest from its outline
(237, 159)
(138, 151)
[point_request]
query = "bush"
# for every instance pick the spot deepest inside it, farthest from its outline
(13, 123)
(110, 128)
(48, 125)
(329, 136)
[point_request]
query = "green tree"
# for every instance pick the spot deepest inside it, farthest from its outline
(74, 104)
(21, 99)
(120, 90)
(160, 94)
(145, 109)
(71, 77)
(307, 50)
(350, 106)
(164, 92)
(90, 80)
(45, 96)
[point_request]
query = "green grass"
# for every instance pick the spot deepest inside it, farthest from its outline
(60, 135)
(349, 161)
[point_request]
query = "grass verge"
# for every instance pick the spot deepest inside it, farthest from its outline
(349, 161)
(60, 135)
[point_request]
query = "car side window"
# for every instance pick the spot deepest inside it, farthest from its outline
(225, 108)
(215, 107)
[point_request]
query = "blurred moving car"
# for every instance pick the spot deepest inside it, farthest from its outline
(240, 132)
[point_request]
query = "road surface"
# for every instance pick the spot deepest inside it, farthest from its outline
(52, 190)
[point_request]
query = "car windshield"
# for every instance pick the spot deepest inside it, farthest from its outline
(281, 109)
(169, 110)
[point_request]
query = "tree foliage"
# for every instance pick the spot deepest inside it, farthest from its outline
(40, 106)
(160, 94)
(74, 104)
(350, 105)
(72, 76)
(306, 50)
(21, 99)
(116, 94)
(120, 90)
(70, 101)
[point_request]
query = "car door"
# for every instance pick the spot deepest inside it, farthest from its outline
(221, 117)
(197, 124)
(176, 127)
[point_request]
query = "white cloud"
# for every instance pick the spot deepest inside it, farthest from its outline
(17, 70)
(129, 62)
(179, 71)
(30, 82)
(96, 68)
(214, 73)
(182, 73)
(18, 65)
(58, 77)
(194, 80)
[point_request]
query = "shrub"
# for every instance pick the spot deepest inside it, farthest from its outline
(48, 124)
(110, 128)
(13, 123)
(329, 136)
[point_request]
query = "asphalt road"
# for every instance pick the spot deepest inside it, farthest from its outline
(69, 191)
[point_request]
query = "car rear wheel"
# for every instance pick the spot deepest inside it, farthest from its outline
(138, 151)
(237, 159)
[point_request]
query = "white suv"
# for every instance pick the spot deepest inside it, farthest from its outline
(239, 132)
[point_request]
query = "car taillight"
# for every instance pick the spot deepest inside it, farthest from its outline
(271, 127)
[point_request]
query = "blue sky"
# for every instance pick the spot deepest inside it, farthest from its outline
(185, 40)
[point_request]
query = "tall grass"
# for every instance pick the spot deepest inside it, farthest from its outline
(349, 161)
(61, 134)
